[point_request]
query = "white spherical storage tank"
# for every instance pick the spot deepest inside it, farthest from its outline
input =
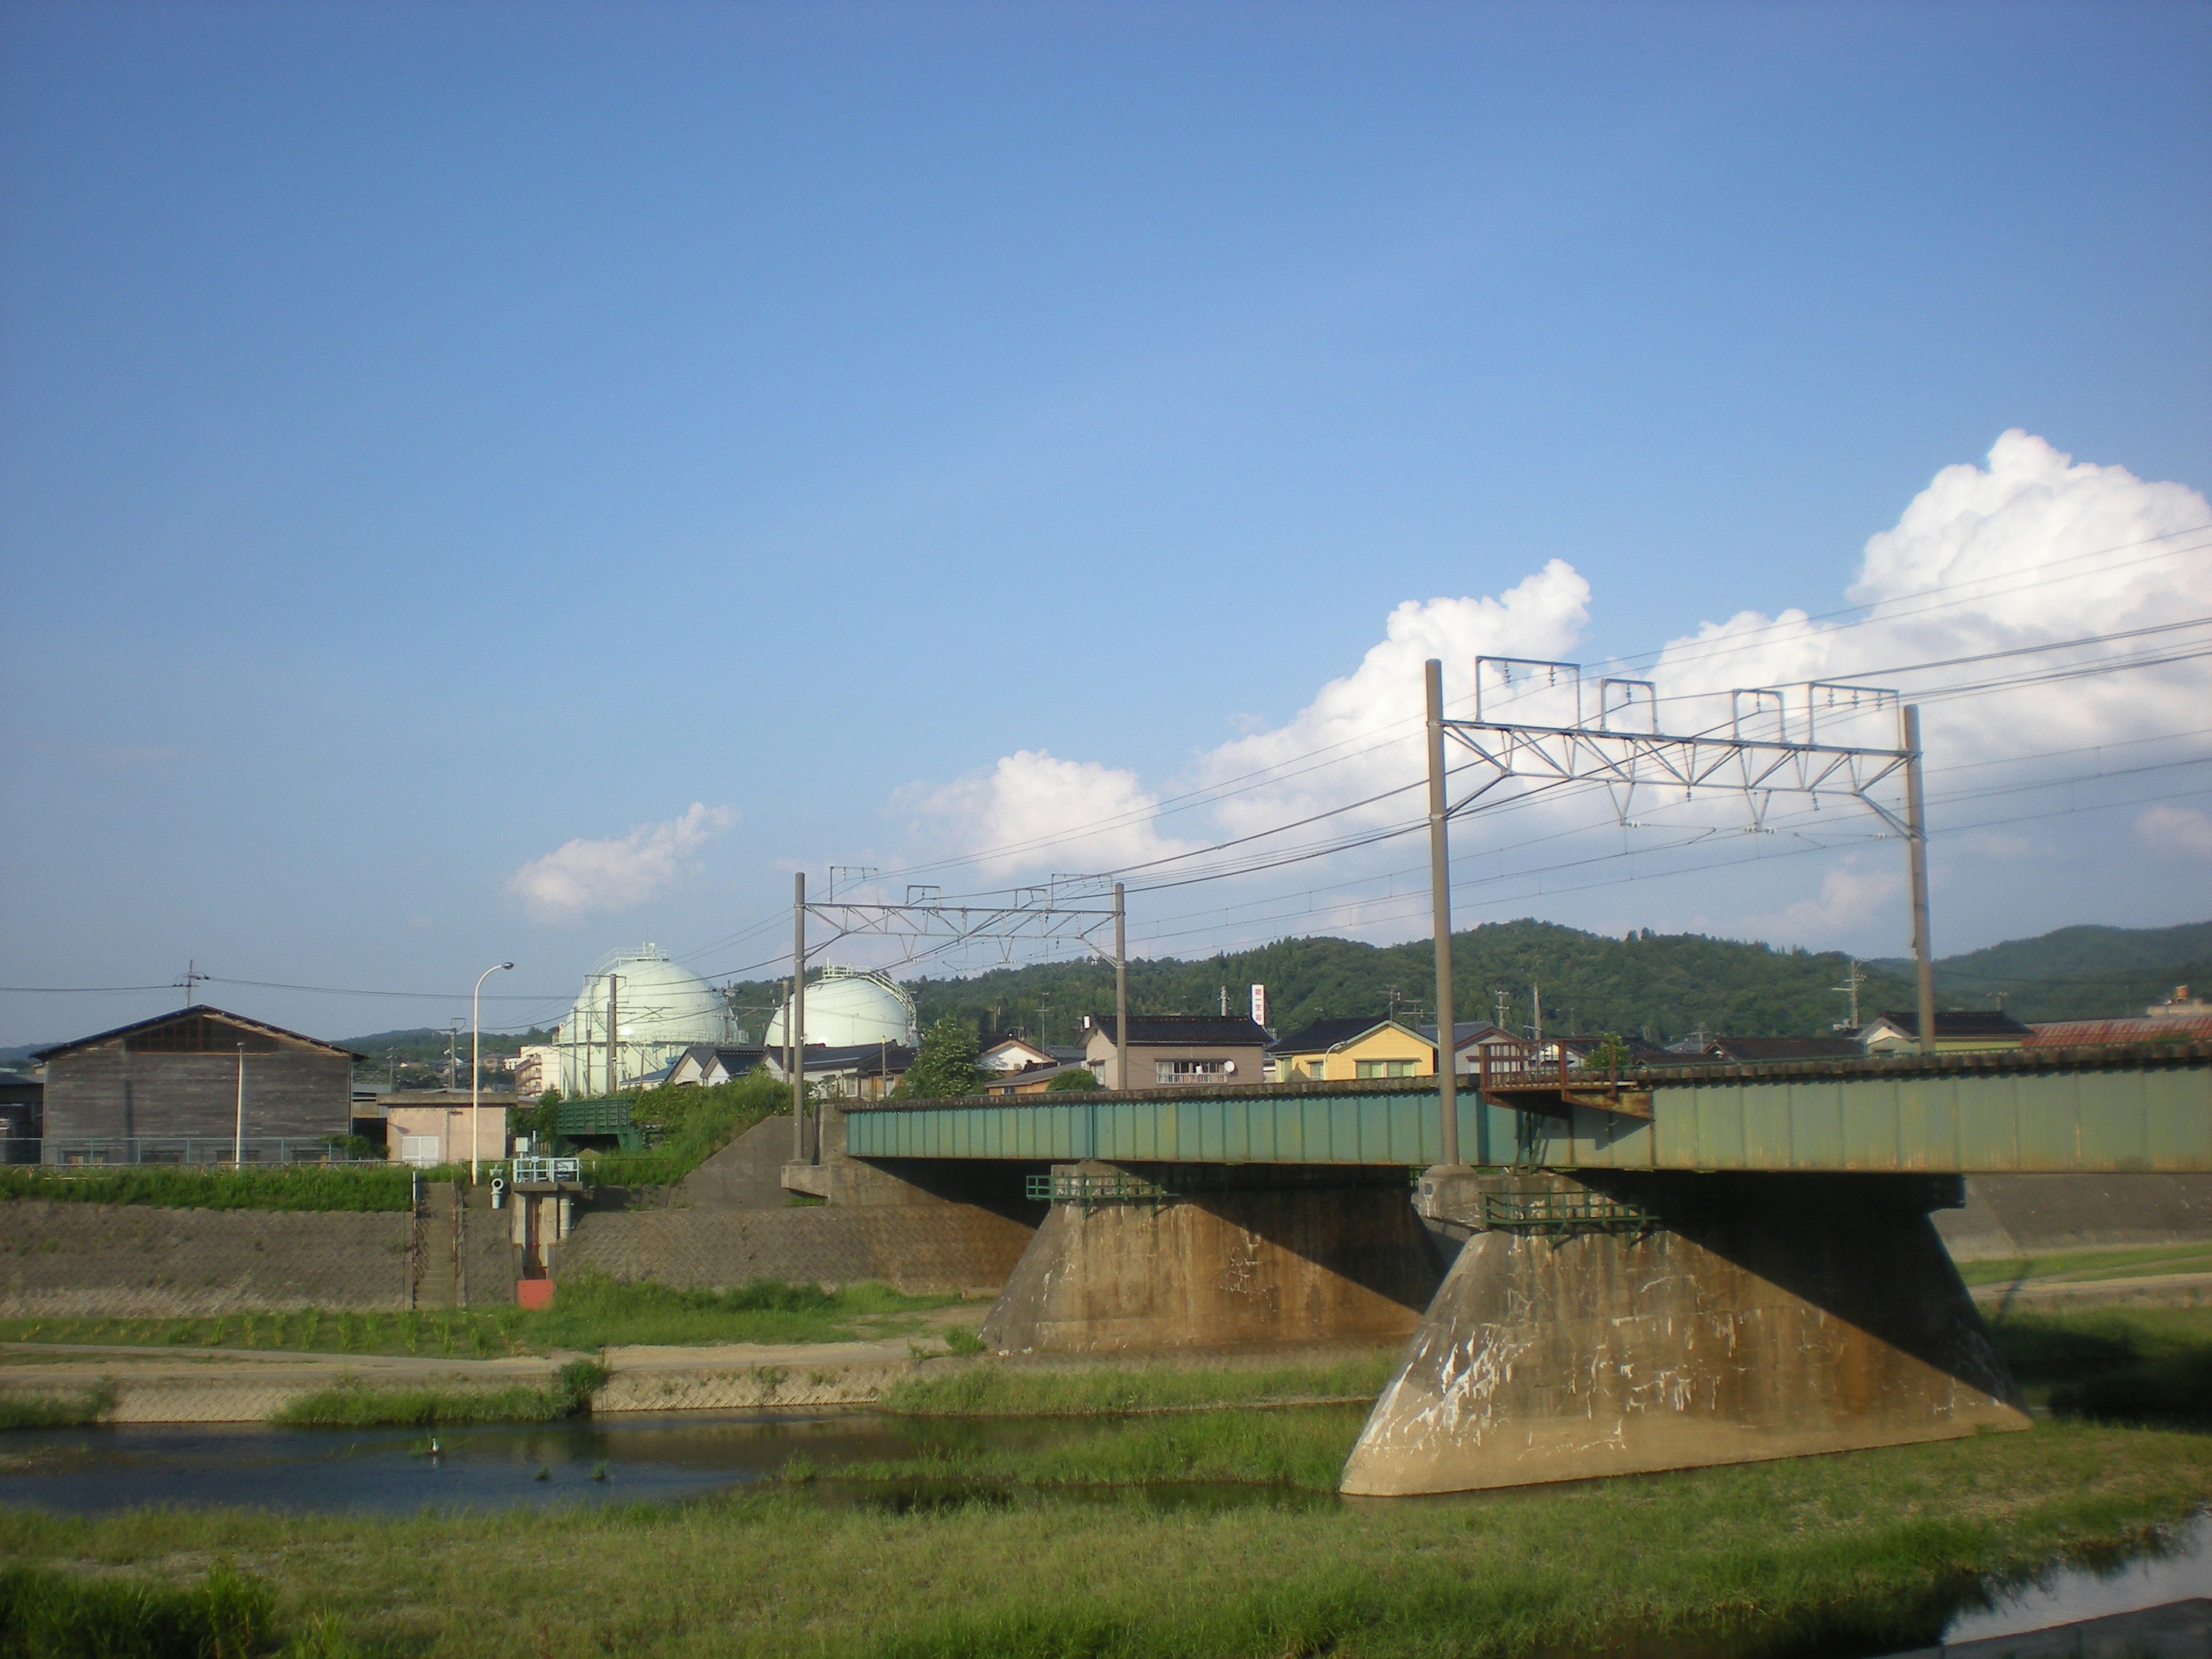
(846, 1008)
(658, 1009)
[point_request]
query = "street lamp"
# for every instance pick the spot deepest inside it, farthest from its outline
(475, 1061)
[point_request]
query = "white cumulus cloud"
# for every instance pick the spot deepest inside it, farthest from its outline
(1037, 813)
(1989, 563)
(583, 876)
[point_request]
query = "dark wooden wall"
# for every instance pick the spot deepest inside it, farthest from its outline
(291, 1089)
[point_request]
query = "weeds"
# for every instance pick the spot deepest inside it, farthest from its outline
(225, 1616)
(56, 1411)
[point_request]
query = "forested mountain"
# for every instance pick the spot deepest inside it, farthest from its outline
(1661, 987)
(2076, 973)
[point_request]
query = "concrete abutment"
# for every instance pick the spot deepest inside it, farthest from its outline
(1139, 1257)
(1619, 1324)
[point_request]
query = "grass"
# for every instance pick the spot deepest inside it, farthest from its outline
(359, 1406)
(2115, 1365)
(295, 1187)
(70, 1410)
(587, 1314)
(2084, 1266)
(1301, 1448)
(1872, 1549)
(1002, 1391)
(225, 1616)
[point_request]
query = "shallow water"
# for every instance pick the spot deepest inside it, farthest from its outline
(669, 1455)
(2174, 1569)
(594, 1461)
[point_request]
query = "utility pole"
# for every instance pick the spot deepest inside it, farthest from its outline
(191, 981)
(1044, 1007)
(1504, 1008)
(796, 1022)
(1849, 987)
(237, 1139)
(614, 1027)
(1916, 824)
(1432, 682)
(1537, 1028)
(1121, 992)
(790, 1065)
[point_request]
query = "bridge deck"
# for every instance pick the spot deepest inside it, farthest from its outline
(2052, 1111)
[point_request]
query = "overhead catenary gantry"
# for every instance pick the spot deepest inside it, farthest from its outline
(926, 924)
(1616, 742)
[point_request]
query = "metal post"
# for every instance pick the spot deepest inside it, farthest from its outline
(476, 1064)
(237, 1139)
(1120, 992)
(613, 1027)
(1440, 923)
(795, 1019)
(1916, 838)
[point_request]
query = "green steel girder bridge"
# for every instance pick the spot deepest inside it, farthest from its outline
(2142, 1107)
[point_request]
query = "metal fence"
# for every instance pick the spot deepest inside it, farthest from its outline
(189, 1150)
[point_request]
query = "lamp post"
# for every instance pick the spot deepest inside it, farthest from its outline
(475, 1061)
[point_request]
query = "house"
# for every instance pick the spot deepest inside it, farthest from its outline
(1014, 1054)
(1035, 1079)
(1479, 1043)
(1303, 1056)
(192, 1076)
(2180, 1006)
(1957, 1031)
(1178, 1051)
(1581, 1050)
(2098, 1033)
(1366, 1048)
(707, 1064)
(429, 1127)
(869, 1071)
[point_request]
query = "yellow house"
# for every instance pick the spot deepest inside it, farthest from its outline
(1345, 1050)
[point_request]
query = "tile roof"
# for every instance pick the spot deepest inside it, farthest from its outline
(1187, 1030)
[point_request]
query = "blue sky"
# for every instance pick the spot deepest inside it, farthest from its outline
(436, 435)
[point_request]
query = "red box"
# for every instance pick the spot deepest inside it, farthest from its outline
(534, 1293)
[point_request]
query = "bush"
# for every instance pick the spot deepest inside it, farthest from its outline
(1081, 1078)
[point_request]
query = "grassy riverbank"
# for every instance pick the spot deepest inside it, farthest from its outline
(1873, 1546)
(2116, 1365)
(2088, 1267)
(587, 1315)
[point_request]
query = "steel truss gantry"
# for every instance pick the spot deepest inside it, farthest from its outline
(1033, 914)
(1617, 743)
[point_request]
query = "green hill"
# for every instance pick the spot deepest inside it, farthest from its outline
(2076, 973)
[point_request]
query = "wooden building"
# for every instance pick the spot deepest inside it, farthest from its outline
(178, 1076)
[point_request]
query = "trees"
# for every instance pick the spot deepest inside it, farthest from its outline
(1082, 1077)
(944, 1065)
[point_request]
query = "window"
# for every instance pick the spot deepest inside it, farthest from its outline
(1369, 1068)
(1189, 1071)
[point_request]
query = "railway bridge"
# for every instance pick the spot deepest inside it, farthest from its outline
(1656, 1269)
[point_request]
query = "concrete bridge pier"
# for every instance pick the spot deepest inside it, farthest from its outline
(1610, 1323)
(1135, 1257)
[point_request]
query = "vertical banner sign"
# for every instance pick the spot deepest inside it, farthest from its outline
(1259, 1004)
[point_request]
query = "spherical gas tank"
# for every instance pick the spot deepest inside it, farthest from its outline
(848, 1009)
